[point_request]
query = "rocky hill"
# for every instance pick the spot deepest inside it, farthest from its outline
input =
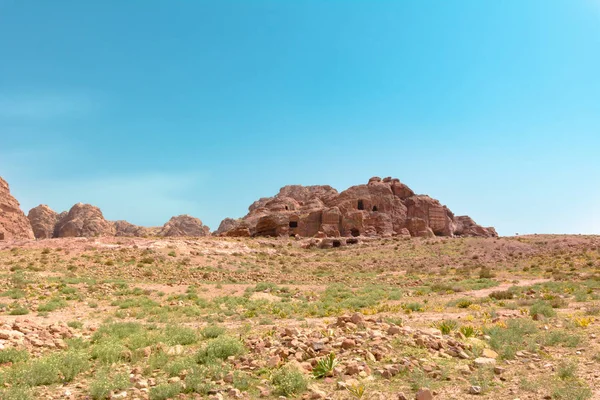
(13, 222)
(383, 207)
(85, 220)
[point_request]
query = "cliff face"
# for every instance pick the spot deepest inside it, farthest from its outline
(382, 207)
(13, 222)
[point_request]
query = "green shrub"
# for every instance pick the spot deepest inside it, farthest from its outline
(541, 308)
(288, 381)
(16, 393)
(221, 348)
(212, 331)
(12, 355)
(325, 366)
(52, 305)
(179, 335)
(501, 295)
(72, 363)
(19, 310)
(101, 387)
(446, 326)
(512, 338)
(165, 391)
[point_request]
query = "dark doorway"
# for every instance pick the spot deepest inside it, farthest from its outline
(361, 205)
(286, 207)
(336, 243)
(1, 235)
(374, 208)
(355, 232)
(293, 224)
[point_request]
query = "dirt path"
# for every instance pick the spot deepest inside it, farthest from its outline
(504, 286)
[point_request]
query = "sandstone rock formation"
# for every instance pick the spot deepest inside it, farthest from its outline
(383, 207)
(226, 225)
(124, 228)
(13, 222)
(184, 225)
(43, 221)
(84, 220)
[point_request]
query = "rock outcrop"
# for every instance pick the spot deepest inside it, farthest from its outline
(84, 220)
(43, 221)
(184, 225)
(383, 207)
(13, 222)
(124, 228)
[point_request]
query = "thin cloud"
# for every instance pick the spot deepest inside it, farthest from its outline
(44, 106)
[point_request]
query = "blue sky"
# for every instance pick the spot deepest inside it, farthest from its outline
(151, 108)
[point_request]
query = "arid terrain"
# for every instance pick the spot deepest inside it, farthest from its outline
(385, 318)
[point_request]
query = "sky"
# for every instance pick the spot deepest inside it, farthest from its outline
(154, 108)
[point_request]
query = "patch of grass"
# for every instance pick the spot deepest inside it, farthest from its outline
(16, 393)
(52, 305)
(19, 310)
(541, 308)
(501, 295)
(566, 370)
(221, 348)
(414, 307)
(165, 391)
(212, 331)
(12, 355)
(509, 339)
(104, 384)
(179, 335)
(75, 324)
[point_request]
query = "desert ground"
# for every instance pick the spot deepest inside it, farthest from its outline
(219, 318)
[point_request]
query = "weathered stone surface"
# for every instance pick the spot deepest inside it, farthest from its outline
(184, 225)
(465, 226)
(13, 222)
(43, 221)
(226, 225)
(84, 220)
(383, 207)
(124, 228)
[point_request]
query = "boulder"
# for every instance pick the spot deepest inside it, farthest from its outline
(13, 222)
(127, 229)
(84, 220)
(43, 221)
(184, 225)
(226, 225)
(465, 226)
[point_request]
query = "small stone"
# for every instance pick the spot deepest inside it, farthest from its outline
(273, 362)
(489, 353)
(480, 361)
(424, 394)
(394, 330)
(475, 390)
(348, 344)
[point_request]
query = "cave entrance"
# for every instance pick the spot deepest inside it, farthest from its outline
(354, 232)
(293, 224)
(336, 243)
(361, 205)
(374, 208)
